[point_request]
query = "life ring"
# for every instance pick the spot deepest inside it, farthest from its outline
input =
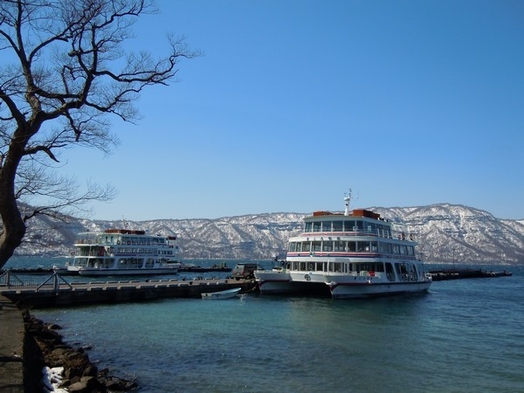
(307, 277)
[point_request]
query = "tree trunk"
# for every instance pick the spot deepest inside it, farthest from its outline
(14, 227)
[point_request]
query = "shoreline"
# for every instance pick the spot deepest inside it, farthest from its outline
(45, 347)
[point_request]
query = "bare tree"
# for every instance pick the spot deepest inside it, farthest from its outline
(63, 71)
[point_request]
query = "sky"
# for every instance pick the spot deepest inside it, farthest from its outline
(294, 102)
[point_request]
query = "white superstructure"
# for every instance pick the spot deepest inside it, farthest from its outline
(124, 252)
(354, 254)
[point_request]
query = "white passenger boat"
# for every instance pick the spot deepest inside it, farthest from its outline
(226, 294)
(348, 255)
(124, 252)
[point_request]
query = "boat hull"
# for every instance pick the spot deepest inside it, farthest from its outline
(348, 290)
(276, 283)
(220, 295)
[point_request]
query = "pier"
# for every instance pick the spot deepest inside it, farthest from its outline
(457, 274)
(56, 291)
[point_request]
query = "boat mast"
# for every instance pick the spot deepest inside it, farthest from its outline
(347, 199)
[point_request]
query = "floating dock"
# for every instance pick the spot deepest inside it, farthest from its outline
(203, 269)
(57, 292)
(456, 274)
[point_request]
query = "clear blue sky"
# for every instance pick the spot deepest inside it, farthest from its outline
(408, 102)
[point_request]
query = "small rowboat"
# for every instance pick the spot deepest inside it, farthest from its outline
(227, 294)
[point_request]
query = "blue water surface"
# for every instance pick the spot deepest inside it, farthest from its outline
(462, 336)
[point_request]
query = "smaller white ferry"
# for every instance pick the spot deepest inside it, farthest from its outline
(350, 255)
(124, 252)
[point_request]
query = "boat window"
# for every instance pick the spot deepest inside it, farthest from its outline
(326, 226)
(390, 274)
(337, 226)
(335, 267)
(316, 246)
(298, 246)
(395, 249)
(317, 226)
(411, 250)
(384, 248)
(374, 247)
(348, 226)
(352, 246)
(309, 226)
(415, 272)
(82, 251)
(359, 226)
(129, 263)
(403, 250)
(383, 230)
(108, 263)
(327, 245)
(371, 267)
(339, 245)
(362, 246)
(306, 246)
(81, 262)
(302, 266)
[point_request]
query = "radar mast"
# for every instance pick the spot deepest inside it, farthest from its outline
(347, 199)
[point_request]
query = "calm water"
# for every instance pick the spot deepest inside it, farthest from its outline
(462, 336)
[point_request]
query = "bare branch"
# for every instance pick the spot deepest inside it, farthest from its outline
(64, 71)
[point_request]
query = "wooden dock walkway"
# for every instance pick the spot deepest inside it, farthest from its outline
(57, 292)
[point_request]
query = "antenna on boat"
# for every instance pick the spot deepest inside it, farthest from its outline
(347, 199)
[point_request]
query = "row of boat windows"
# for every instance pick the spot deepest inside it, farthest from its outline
(405, 271)
(382, 230)
(123, 263)
(101, 251)
(117, 240)
(351, 246)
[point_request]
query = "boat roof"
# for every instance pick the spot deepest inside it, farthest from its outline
(355, 213)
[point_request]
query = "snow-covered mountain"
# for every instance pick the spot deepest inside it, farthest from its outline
(445, 233)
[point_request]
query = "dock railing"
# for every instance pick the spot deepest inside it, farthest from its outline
(53, 282)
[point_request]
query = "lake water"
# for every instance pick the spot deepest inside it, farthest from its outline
(462, 336)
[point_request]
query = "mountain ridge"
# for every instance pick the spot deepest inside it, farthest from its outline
(445, 232)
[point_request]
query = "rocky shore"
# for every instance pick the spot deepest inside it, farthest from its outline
(45, 348)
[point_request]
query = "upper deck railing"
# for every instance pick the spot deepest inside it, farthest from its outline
(377, 232)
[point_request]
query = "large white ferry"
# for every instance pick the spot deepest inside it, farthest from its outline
(124, 252)
(349, 255)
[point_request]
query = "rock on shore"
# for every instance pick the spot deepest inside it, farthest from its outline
(79, 375)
